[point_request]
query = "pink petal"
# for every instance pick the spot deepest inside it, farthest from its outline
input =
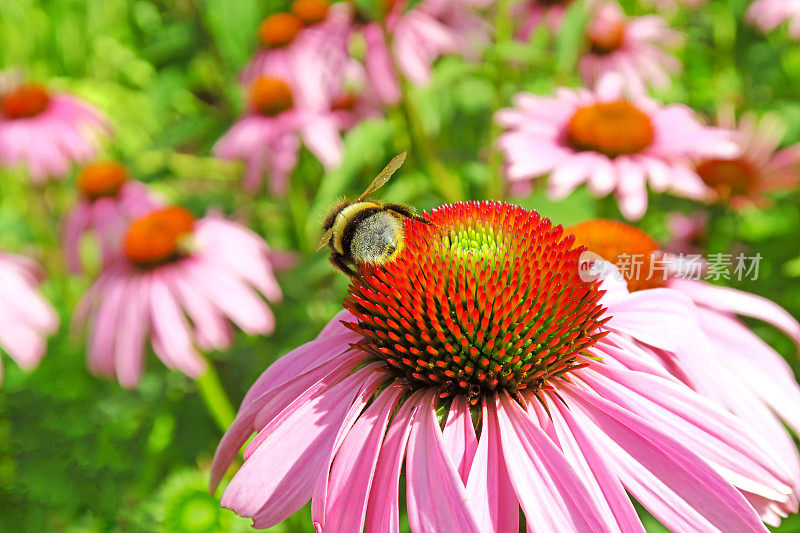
(549, 490)
(489, 489)
(459, 437)
(353, 469)
(675, 485)
(437, 499)
(741, 303)
(589, 463)
(279, 477)
(383, 509)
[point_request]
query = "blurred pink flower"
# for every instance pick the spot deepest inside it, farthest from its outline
(728, 363)
(47, 131)
(610, 141)
(761, 167)
(418, 36)
(687, 232)
(535, 12)
(300, 56)
(108, 202)
(570, 420)
(268, 136)
(209, 270)
(630, 47)
(26, 318)
(435, 28)
(674, 4)
(769, 14)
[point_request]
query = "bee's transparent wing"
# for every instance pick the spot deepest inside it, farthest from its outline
(384, 176)
(325, 239)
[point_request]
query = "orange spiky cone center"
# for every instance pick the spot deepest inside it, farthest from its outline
(270, 96)
(611, 128)
(490, 299)
(632, 250)
(279, 29)
(310, 11)
(25, 101)
(102, 179)
(156, 238)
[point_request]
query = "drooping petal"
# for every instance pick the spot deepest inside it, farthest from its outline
(738, 302)
(279, 476)
(437, 499)
(676, 486)
(489, 489)
(353, 468)
(721, 439)
(548, 489)
(590, 464)
(383, 509)
(459, 436)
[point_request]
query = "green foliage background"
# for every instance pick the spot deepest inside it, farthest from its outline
(79, 454)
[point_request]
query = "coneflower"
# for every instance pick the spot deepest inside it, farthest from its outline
(172, 267)
(731, 365)
(47, 131)
(483, 366)
(108, 200)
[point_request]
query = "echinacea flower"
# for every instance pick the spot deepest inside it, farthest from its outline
(432, 29)
(178, 284)
(760, 168)
(47, 131)
(109, 201)
(533, 13)
(267, 137)
(26, 318)
(610, 141)
(674, 4)
(294, 47)
(734, 366)
(769, 14)
(407, 41)
(630, 47)
(484, 321)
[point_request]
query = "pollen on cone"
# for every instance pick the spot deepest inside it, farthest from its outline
(489, 298)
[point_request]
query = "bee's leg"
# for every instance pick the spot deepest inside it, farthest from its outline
(338, 262)
(408, 212)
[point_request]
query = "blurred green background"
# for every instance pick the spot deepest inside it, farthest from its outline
(79, 454)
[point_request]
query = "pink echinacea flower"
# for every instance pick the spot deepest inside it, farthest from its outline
(178, 283)
(109, 201)
(610, 141)
(732, 365)
(481, 365)
(47, 131)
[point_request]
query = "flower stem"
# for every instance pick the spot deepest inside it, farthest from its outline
(503, 32)
(449, 185)
(215, 399)
(503, 28)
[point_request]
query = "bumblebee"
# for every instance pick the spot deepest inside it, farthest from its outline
(367, 231)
